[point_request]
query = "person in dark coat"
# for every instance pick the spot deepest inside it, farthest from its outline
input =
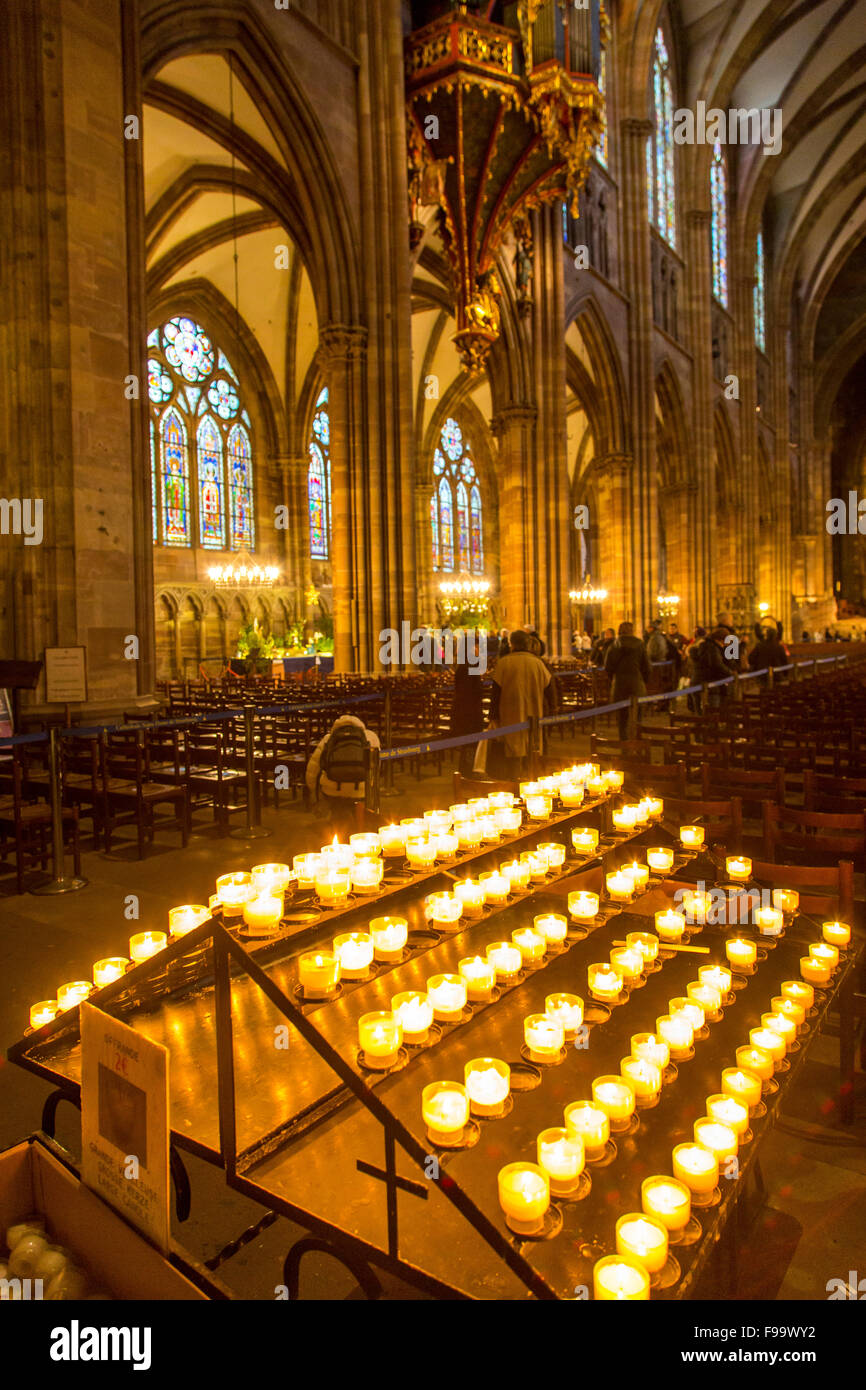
(601, 645)
(768, 652)
(628, 666)
(467, 708)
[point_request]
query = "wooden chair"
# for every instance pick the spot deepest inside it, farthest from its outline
(753, 788)
(131, 795)
(25, 824)
(813, 832)
(824, 792)
(661, 779)
(209, 778)
(722, 818)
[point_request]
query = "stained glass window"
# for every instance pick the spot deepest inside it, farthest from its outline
(760, 295)
(319, 480)
(601, 147)
(660, 147)
(719, 224)
(456, 514)
(196, 398)
(153, 507)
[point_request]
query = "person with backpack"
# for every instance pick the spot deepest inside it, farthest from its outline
(338, 769)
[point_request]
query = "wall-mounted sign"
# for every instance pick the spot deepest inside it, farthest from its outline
(65, 675)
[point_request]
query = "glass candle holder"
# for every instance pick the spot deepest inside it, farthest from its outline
(620, 886)
(816, 972)
(824, 952)
(660, 859)
(496, 888)
(421, 853)
(628, 960)
(471, 894)
(670, 925)
(538, 806)
(668, 1200)
(393, 841)
(567, 1009)
(644, 1077)
(719, 1138)
(595, 786)
(460, 811)
(262, 915)
(517, 874)
(585, 839)
(468, 834)
(501, 800)
(589, 1122)
(676, 1030)
(537, 864)
(448, 995)
(508, 819)
(336, 856)
(742, 1085)
(390, 935)
(531, 944)
(645, 943)
(233, 890)
(319, 974)
(445, 1112)
(72, 993)
(273, 879)
(655, 806)
(738, 868)
(446, 844)
(415, 1012)
(332, 887)
(613, 780)
(354, 950)
(544, 1037)
(641, 813)
(768, 1041)
(183, 920)
(639, 874)
(524, 1195)
(615, 1096)
(693, 1012)
(785, 1027)
(692, 836)
(756, 1060)
(605, 982)
(708, 997)
(718, 976)
(643, 1238)
(488, 1083)
(552, 926)
(696, 1167)
(728, 1110)
(445, 910)
(379, 1036)
(490, 831)
(554, 853)
(365, 844)
(650, 1047)
(618, 1279)
(741, 953)
(769, 921)
(44, 1012)
(506, 960)
(789, 1008)
(415, 827)
(563, 1158)
(624, 818)
(571, 794)
(480, 977)
(304, 867)
(696, 905)
(836, 934)
(146, 944)
(438, 820)
(799, 991)
(366, 875)
(583, 906)
(106, 971)
(786, 900)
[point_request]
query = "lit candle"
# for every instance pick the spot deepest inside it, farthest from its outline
(554, 854)
(668, 1200)
(182, 920)
(364, 844)
(567, 1009)
(447, 844)
(798, 991)
(615, 1096)
(447, 994)
(660, 859)
(789, 1008)
(354, 951)
(613, 780)
(517, 874)
(552, 926)
(616, 1279)
(670, 925)
(471, 894)
(605, 982)
(524, 1195)
(693, 1012)
(644, 1077)
(785, 1027)
(644, 1238)
(337, 856)
(544, 1037)
(628, 960)
(501, 799)
(146, 944)
(332, 886)
(304, 866)
(768, 1041)
(571, 794)
(415, 1012)
(692, 836)
(756, 1060)
(738, 868)
(743, 1085)
(720, 1139)
(583, 906)
(708, 997)
(727, 1110)
(459, 812)
(817, 972)
(538, 807)
(696, 1166)
(508, 819)
(562, 1157)
(697, 905)
(537, 865)
(836, 933)
(825, 953)
(496, 887)
(641, 813)
(389, 937)
(586, 1120)
(596, 786)
(786, 900)
(651, 1047)
(717, 976)
(488, 1082)
(480, 977)
(233, 890)
(676, 1030)
(769, 921)
(421, 854)
(275, 878)
(639, 874)
(530, 944)
(367, 874)
(379, 1036)
(620, 886)
(741, 953)
(43, 1012)
(645, 942)
(106, 971)
(445, 1112)
(506, 960)
(393, 841)
(444, 909)
(75, 992)
(319, 974)
(654, 806)
(625, 818)
(262, 916)
(438, 820)
(585, 839)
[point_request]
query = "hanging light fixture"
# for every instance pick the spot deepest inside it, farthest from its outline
(668, 604)
(588, 594)
(243, 574)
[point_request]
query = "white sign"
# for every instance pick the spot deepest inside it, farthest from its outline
(65, 675)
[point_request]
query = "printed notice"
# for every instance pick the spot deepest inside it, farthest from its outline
(65, 675)
(124, 1121)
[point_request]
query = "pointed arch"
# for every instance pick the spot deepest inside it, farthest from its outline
(611, 399)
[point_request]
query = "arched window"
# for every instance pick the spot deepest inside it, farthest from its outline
(601, 147)
(195, 395)
(719, 224)
(760, 295)
(660, 146)
(456, 514)
(319, 481)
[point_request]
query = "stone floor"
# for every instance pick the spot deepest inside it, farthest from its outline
(812, 1227)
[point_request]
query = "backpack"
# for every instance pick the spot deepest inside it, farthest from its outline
(344, 756)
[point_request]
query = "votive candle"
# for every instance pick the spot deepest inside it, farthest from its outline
(447, 994)
(480, 977)
(506, 959)
(668, 1200)
(727, 1110)
(585, 839)
(390, 935)
(552, 926)
(106, 971)
(524, 1195)
(644, 1238)
(415, 1012)
(741, 953)
(319, 974)
(445, 1112)
(836, 933)
(488, 1082)
(44, 1012)
(562, 1157)
(544, 1037)
(567, 1009)
(660, 859)
(379, 1036)
(615, 1095)
(670, 925)
(591, 1123)
(146, 944)
(605, 982)
(756, 1060)
(354, 951)
(696, 1166)
(692, 836)
(617, 1279)
(72, 993)
(583, 906)
(743, 1085)
(531, 944)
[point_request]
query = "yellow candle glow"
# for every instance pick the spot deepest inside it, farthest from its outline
(616, 1279)
(645, 942)
(319, 974)
(489, 829)
(644, 1077)
(538, 807)
(336, 856)
(366, 875)
(798, 991)
(421, 853)
(785, 1027)
(354, 951)
(304, 866)
(44, 1012)
(585, 839)
(471, 894)
(786, 900)
(605, 982)
(644, 1238)
(567, 1009)
(552, 926)
(444, 909)
(447, 994)
(508, 819)
(390, 935)
(741, 953)
(415, 1012)
(517, 874)
(789, 1008)
(696, 1166)
(676, 1030)
(146, 944)
(480, 977)
(262, 915)
(524, 1195)
(562, 1157)
(75, 992)
(583, 906)
(544, 1037)
(393, 841)
(738, 868)
(696, 905)
(615, 1096)
(554, 854)
(505, 958)
(817, 972)
(537, 865)
(270, 879)
(628, 960)
(233, 890)
(670, 925)
(692, 836)
(571, 794)
(438, 820)
(836, 933)
(757, 1060)
(332, 887)
(445, 1112)
(825, 953)
(650, 1047)
(668, 1200)
(613, 780)
(366, 843)
(743, 1085)
(654, 806)
(379, 1036)
(693, 1011)
(468, 834)
(769, 921)
(595, 786)
(488, 1082)
(720, 1139)
(639, 874)
(660, 859)
(530, 944)
(587, 1120)
(496, 888)
(182, 920)
(106, 971)
(707, 996)
(625, 818)
(620, 886)
(727, 1110)
(718, 976)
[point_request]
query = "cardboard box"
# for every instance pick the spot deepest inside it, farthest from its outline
(117, 1259)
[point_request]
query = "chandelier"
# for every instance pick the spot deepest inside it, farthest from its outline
(668, 604)
(243, 574)
(588, 594)
(466, 588)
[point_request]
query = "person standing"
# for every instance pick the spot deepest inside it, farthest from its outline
(467, 706)
(522, 686)
(767, 652)
(338, 770)
(627, 664)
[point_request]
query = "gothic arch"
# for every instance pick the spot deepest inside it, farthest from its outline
(613, 435)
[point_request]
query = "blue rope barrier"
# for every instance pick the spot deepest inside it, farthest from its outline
(415, 750)
(12, 739)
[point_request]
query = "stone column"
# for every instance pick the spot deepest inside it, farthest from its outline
(616, 537)
(514, 428)
(698, 585)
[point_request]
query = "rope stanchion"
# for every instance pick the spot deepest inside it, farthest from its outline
(254, 830)
(372, 788)
(58, 882)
